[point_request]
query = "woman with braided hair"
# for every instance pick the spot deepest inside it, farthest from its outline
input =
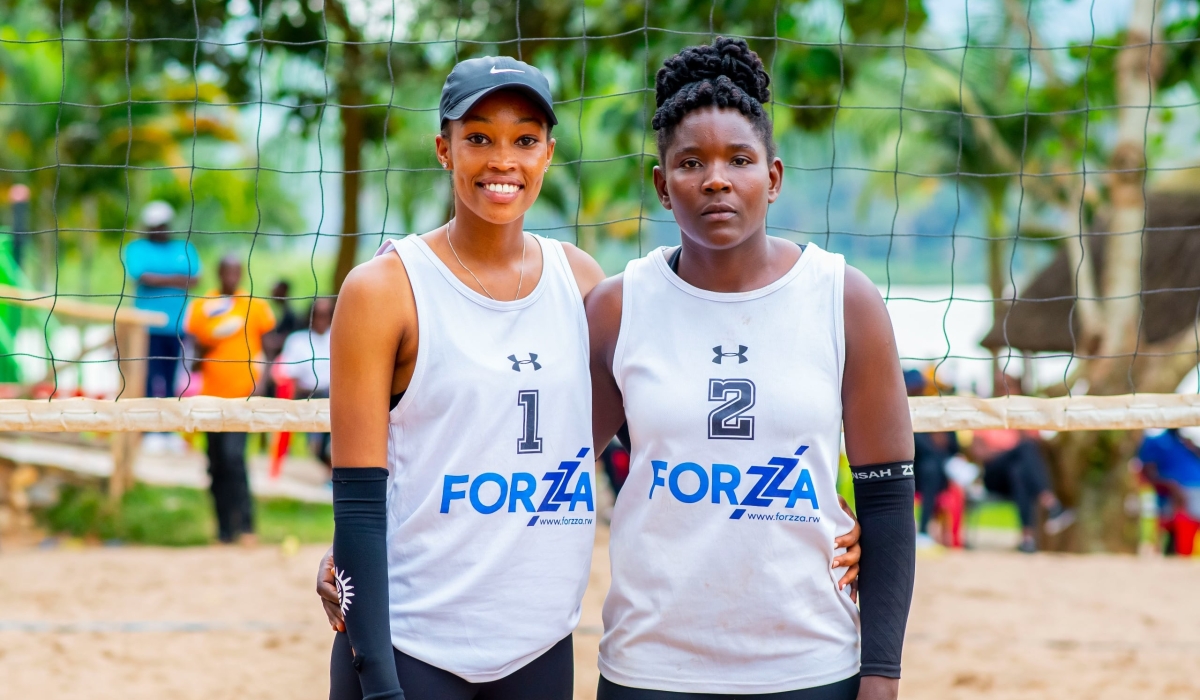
(736, 360)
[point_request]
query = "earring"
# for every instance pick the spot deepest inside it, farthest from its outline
(445, 165)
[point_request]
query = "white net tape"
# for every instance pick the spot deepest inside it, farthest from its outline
(258, 415)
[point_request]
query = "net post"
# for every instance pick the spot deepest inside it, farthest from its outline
(133, 343)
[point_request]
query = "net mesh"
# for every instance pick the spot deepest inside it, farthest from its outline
(1018, 178)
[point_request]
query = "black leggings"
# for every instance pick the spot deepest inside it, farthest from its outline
(550, 676)
(841, 690)
(230, 485)
(1019, 474)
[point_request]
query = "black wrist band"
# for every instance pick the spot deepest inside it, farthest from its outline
(886, 471)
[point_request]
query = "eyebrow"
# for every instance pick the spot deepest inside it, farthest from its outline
(485, 120)
(734, 146)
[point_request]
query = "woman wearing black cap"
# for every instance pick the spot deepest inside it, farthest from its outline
(462, 434)
(461, 419)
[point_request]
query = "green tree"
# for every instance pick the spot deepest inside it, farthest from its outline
(604, 82)
(96, 128)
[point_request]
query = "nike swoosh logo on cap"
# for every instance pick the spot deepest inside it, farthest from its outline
(495, 70)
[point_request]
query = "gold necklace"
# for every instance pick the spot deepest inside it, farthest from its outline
(520, 280)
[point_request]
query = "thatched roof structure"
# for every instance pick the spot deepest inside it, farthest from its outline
(1041, 320)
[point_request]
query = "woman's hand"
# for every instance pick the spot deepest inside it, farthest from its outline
(852, 555)
(327, 589)
(878, 688)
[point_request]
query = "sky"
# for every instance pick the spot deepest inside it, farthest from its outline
(1059, 22)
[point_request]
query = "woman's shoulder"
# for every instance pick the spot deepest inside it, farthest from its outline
(603, 305)
(376, 284)
(375, 305)
(587, 272)
(859, 292)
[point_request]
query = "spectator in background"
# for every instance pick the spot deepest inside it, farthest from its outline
(932, 451)
(18, 198)
(164, 269)
(305, 361)
(1015, 468)
(305, 356)
(286, 321)
(1171, 463)
(228, 327)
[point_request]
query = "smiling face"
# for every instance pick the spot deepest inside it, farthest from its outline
(498, 153)
(717, 179)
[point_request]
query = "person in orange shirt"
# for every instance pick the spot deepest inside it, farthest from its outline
(228, 326)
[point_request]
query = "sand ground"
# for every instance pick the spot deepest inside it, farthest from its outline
(210, 623)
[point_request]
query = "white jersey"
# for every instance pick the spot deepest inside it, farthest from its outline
(491, 502)
(305, 358)
(722, 537)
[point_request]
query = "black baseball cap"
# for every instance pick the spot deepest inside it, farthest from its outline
(476, 78)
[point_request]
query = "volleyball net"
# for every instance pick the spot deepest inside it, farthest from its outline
(1019, 178)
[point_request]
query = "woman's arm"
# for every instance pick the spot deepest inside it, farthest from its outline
(373, 338)
(371, 325)
(604, 324)
(879, 434)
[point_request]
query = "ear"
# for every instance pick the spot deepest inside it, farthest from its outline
(775, 172)
(443, 152)
(660, 186)
(550, 150)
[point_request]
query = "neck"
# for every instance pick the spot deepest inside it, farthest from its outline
(752, 264)
(228, 291)
(482, 240)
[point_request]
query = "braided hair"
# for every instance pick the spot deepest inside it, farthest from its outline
(726, 74)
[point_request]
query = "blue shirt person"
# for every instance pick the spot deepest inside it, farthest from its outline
(1171, 462)
(164, 270)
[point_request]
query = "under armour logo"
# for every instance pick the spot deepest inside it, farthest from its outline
(720, 353)
(531, 361)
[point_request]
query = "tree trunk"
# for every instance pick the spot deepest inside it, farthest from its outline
(1137, 72)
(350, 95)
(1091, 475)
(1081, 257)
(995, 259)
(1091, 467)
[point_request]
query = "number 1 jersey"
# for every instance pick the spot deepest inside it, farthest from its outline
(722, 537)
(491, 498)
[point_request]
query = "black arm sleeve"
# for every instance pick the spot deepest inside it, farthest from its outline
(360, 560)
(883, 497)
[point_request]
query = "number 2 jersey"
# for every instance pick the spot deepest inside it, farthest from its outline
(722, 537)
(491, 503)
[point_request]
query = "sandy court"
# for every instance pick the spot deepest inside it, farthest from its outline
(215, 622)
